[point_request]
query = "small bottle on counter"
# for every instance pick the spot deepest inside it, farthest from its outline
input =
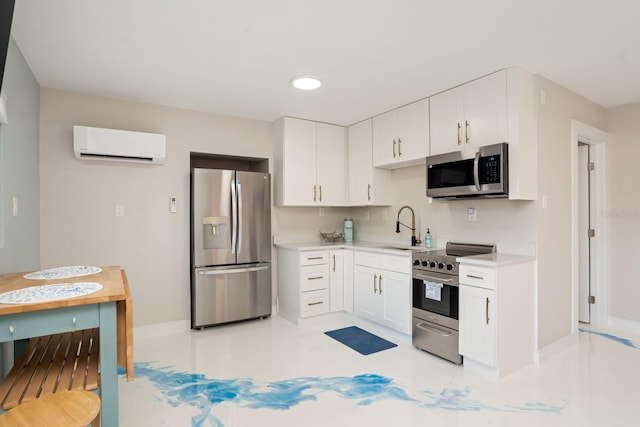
(348, 230)
(427, 239)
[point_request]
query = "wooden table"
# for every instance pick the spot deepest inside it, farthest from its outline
(96, 310)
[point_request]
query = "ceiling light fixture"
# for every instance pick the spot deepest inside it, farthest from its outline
(306, 82)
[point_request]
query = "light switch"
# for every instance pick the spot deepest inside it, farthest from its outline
(119, 210)
(173, 204)
(15, 206)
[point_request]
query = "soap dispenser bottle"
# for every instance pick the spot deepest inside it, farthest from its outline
(427, 239)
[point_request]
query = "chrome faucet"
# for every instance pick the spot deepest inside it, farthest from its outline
(413, 224)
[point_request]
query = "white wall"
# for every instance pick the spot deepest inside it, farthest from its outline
(554, 222)
(623, 210)
(19, 235)
(77, 215)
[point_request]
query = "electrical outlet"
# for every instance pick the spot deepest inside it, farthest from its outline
(471, 212)
(321, 212)
(367, 217)
(173, 204)
(119, 210)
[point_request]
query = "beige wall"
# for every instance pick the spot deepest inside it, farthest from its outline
(623, 210)
(554, 222)
(78, 197)
(19, 235)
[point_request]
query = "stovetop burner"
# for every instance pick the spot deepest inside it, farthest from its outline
(444, 261)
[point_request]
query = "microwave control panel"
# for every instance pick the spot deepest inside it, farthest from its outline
(489, 170)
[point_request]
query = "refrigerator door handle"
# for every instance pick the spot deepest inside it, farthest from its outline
(239, 203)
(234, 210)
(233, 270)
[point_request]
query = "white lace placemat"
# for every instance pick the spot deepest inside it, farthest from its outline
(46, 293)
(63, 272)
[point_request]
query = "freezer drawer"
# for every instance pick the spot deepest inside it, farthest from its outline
(229, 294)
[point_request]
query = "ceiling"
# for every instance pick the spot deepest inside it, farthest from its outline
(237, 57)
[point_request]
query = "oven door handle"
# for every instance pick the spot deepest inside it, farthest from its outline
(430, 328)
(435, 279)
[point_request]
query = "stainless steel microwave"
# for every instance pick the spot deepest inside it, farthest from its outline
(469, 173)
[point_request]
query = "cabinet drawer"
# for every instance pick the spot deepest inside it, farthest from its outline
(367, 259)
(47, 322)
(399, 264)
(314, 257)
(313, 303)
(313, 277)
(478, 276)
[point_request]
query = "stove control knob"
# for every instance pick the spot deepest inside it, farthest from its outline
(425, 263)
(433, 264)
(416, 262)
(440, 265)
(449, 267)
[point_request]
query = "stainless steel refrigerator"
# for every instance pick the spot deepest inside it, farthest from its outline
(230, 246)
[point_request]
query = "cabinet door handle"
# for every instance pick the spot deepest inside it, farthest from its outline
(334, 263)
(471, 276)
(459, 136)
(380, 285)
(368, 191)
(399, 147)
(467, 131)
(487, 310)
(316, 303)
(315, 278)
(321, 193)
(314, 193)
(394, 148)
(375, 279)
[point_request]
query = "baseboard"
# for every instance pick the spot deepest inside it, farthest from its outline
(554, 348)
(624, 325)
(159, 329)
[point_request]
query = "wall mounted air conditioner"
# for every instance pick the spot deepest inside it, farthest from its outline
(118, 145)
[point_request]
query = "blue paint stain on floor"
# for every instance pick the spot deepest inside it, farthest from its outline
(183, 388)
(622, 341)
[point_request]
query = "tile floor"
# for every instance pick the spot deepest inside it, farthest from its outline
(272, 373)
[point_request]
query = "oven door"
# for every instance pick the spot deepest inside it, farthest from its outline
(436, 293)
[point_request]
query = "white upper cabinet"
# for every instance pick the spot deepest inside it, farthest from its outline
(331, 164)
(367, 185)
(470, 115)
(310, 164)
(401, 136)
(496, 108)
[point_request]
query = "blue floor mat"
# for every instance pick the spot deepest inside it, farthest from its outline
(361, 341)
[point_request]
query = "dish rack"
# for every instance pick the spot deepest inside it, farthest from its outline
(333, 236)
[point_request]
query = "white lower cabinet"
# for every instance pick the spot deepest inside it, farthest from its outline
(309, 283)
(478, 335)
(496, 313)
(383, 295)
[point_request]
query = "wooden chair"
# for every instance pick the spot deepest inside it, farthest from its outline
(75, 408)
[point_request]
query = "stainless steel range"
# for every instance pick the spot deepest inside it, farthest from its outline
(435, 298)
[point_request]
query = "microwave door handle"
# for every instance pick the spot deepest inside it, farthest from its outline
(476, 167)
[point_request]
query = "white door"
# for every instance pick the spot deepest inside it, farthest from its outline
(413, 130)
(445, 121)
(477, 324)
(584, 223)
(336, 280)
(385, 138)
(485, 110)
(395, 289)
(331, 154)
(360, 164)
(365, 292)
(299, 162)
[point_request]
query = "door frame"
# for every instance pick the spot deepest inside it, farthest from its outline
(596, 139)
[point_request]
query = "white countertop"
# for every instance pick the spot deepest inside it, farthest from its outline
(494, 259)
(387, 248)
